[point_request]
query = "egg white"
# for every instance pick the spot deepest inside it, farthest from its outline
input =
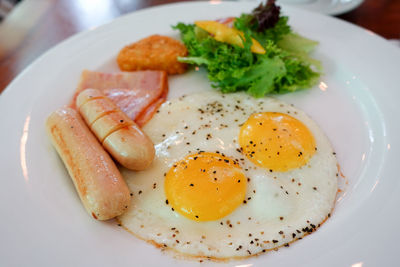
(280, 206)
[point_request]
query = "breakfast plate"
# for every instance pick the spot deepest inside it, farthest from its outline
(355, 104)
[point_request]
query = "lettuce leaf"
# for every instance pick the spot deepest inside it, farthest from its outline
(285, 67)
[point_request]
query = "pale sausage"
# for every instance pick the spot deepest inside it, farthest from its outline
(119, 135)
(97, 179)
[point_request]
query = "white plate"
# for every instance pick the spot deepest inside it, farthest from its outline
(44, 224)
(329, 7)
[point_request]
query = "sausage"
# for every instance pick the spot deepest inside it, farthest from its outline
(119, 135)
(97, 179)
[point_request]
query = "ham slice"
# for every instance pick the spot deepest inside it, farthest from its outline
(138, 94)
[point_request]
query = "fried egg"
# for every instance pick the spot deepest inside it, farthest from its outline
(233, 177)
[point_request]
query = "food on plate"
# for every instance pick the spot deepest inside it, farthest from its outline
(226, 34)
(97, 180)
(234, 65)
(233, 176)
(119, 135)
(155, 52)
(281, 150)
(217, 186)
(138, 94)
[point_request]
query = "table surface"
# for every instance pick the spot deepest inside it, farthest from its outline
(35, 26)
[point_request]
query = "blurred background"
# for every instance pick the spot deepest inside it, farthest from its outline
(6, 6)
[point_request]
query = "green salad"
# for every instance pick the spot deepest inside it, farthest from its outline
(283, 66)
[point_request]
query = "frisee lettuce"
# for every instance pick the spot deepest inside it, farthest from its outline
(285, 67)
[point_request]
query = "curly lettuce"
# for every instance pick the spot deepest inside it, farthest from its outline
(285, 67)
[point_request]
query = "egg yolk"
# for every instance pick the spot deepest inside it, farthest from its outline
(205, 186)
(276, 141)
